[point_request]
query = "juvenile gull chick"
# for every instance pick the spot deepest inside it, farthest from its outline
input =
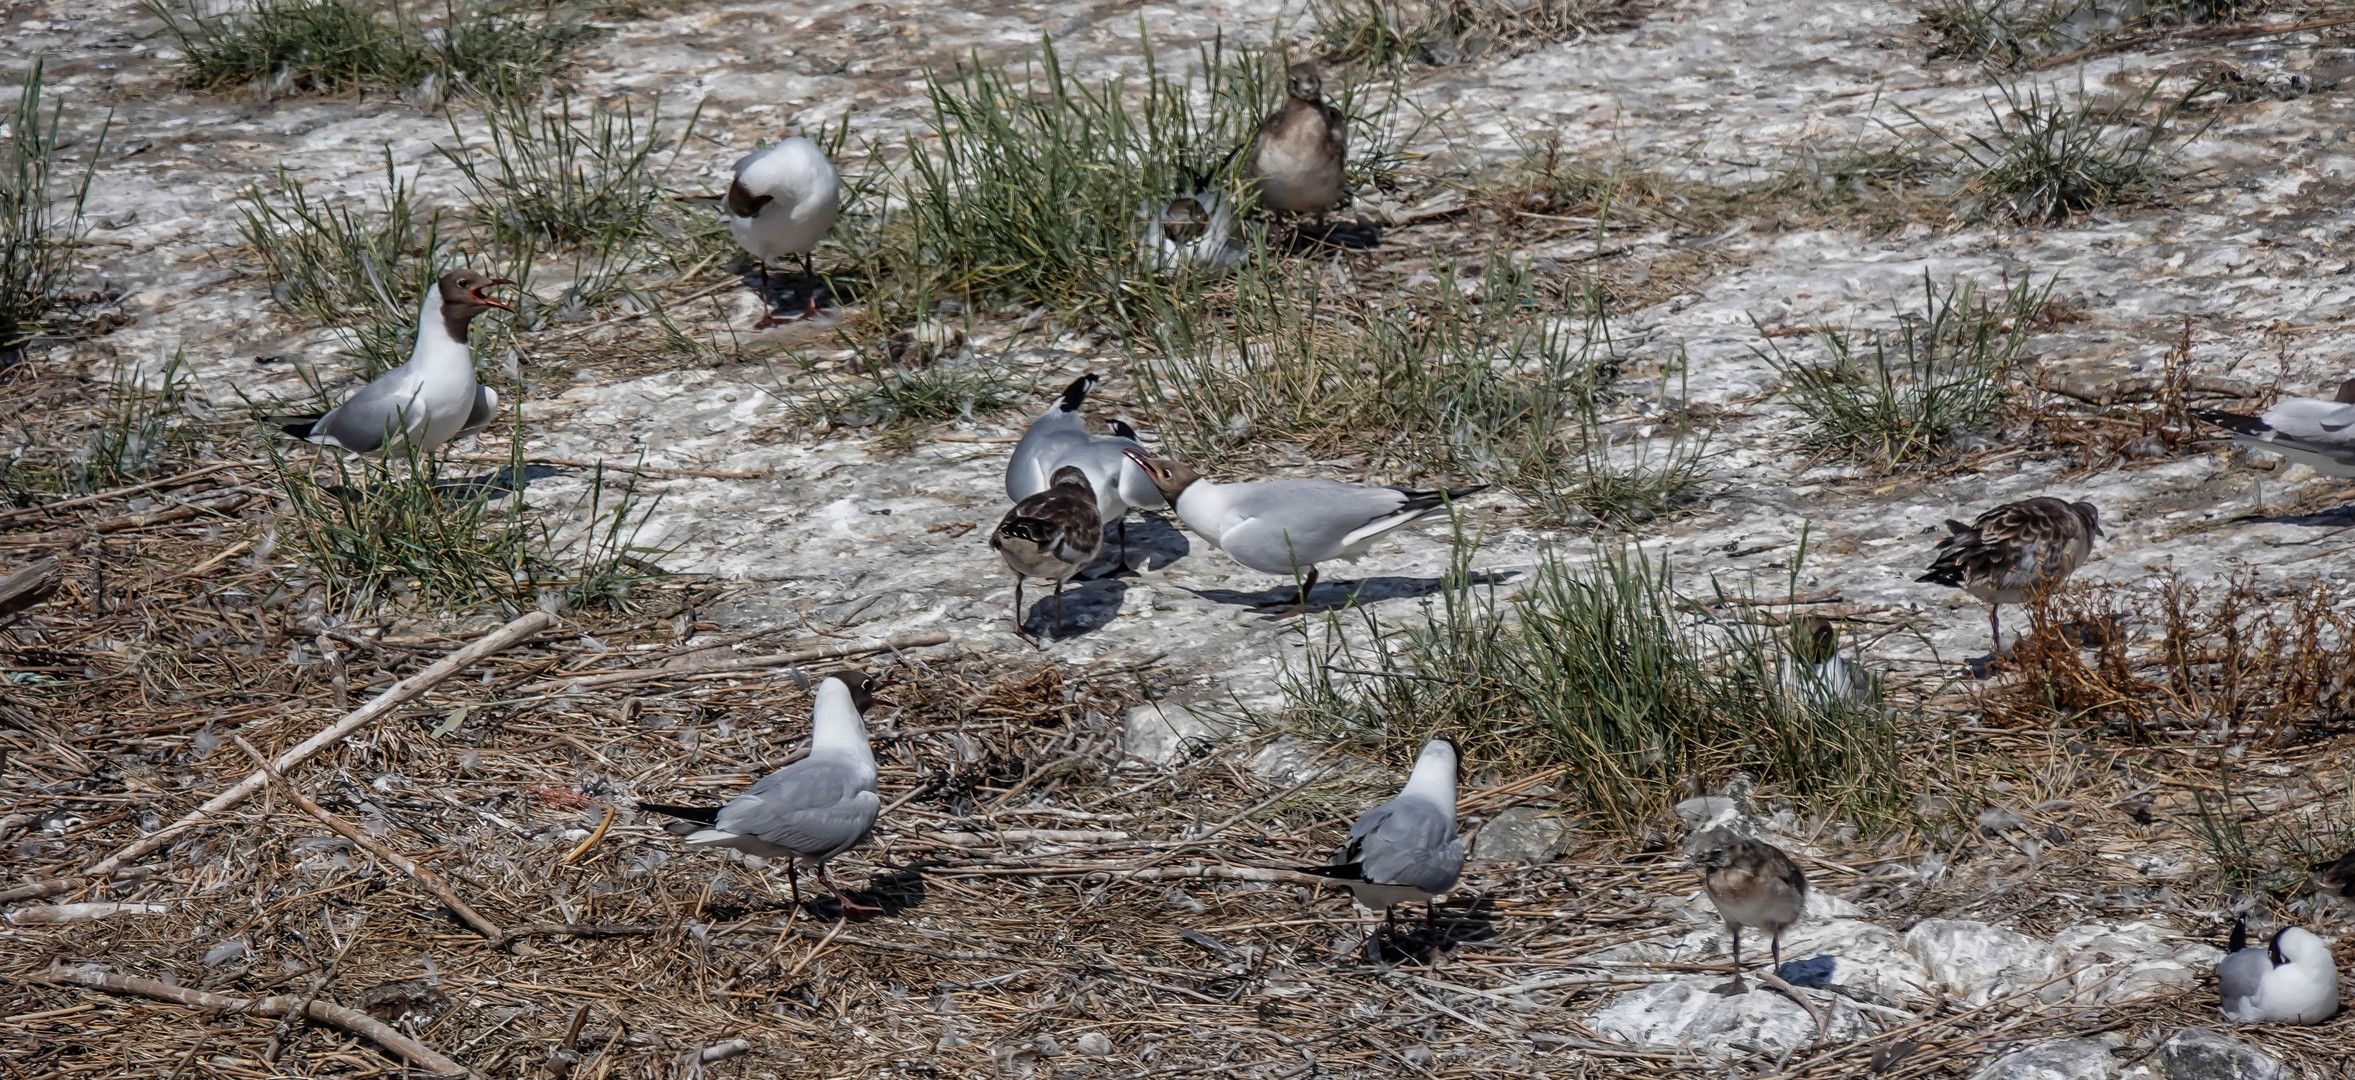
(1060, 437)
(2318, 434)
(2336, 877)
(2014, 552)
(2292, 980)
(1405, 850)
(1054, 535)
(1284, 526)
(1815, 672)
(1753, 884)
(1301, 147)
(780, 204)
(813, 809)
(428, 401)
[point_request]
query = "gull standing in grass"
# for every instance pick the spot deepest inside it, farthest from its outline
(428, 401)
(1406, 850)
(1753, 884)
(2014, 552)
(1285, 526)
(1060, 437)
(1298, 155)
(1815, 672)
(2292, 980)
(2317, 434)
(780, 204)
(1053, 534)
(813, 809)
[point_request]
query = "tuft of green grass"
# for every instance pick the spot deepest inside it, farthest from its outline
(1603, 665)
(357, 268)
(1036, 190)
(2009, 33)
(1587, 473)
(557, 178)
(2273, 858)
(401, 533)
(1455, 377)
(341, 46)
(38, 227)
(1380, 33)
(134, 437)
(1916, 393)
(2049, 155)
(904, 397)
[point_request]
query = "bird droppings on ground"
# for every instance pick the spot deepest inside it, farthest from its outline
(1692, 235)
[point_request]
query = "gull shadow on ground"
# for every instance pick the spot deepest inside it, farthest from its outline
(1308, 239)
(1330, 595)
(2337, 517)
(1088, 606)
(1152, 544)
(789, 292)
(900, 890)
(460, 489)
(1422, 942)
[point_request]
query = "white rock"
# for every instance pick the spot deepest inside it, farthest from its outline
(1687, 1015)
(1160, 732)
(2061, 1059)
(2130, 961)
(1867, 956)
(1521, 834)
(1094, 1044)
(2201, 1054)
(1977, 962)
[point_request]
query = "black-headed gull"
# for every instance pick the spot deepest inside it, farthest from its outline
(811, 810)
(1405, 850)
(780, 204)
(2317, 434)
(2014, 552)
(1053, 534)
(1815, 672)
(1060, 437)
(2292, 980)
(1193, 231)
(1300, 149)
(1286, 526)
(1754, 884)
(431, 399)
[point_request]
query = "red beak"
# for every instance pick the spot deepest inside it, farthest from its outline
(480, 298)
(1138, 456)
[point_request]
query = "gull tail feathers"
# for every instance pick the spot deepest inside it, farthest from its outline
(1421, 501)
(299, 426)
(701, 815)
(2233, 422)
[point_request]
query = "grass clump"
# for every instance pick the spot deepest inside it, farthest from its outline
(904, 397)
(360, 269)
(1922, 391)
(135, 435)
(1598, 665)
(2050, 156)
(1442, 32)
(557, 178)
(402, 533)
(1587, 472)
(1452, 378)
(340, 46)
(2010, 33)
(1037, 188)
(38, 229)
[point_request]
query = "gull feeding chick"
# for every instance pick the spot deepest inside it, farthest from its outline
(2015, 552)
(811, 810)
(1752, 883)
(1060, 437)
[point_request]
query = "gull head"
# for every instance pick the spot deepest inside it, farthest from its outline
(1813, 640)
(1169, 477)
(861, 685)
(1305, 82)
(462, 293)
(2090, 515)
(2346, 393)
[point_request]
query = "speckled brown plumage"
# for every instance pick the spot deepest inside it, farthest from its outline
(1754, 884)
(1301, 148)
(2014, 551)
(1053, 534)
(2337, 877)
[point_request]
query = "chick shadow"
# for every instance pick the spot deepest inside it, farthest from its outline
(1153, 542)
(1342, 595)
(1087, 606)
(1309, 238)
(2337, 517)
(1423, 941)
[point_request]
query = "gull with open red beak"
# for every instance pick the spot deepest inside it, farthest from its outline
(428, 401)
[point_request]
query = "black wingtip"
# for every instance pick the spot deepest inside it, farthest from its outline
(299, 427)
(701, 815)
(2240, 937)
(1076, 394)
(1941, 577)
(2233, 422)
(1345, 871)
(1121, 429)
